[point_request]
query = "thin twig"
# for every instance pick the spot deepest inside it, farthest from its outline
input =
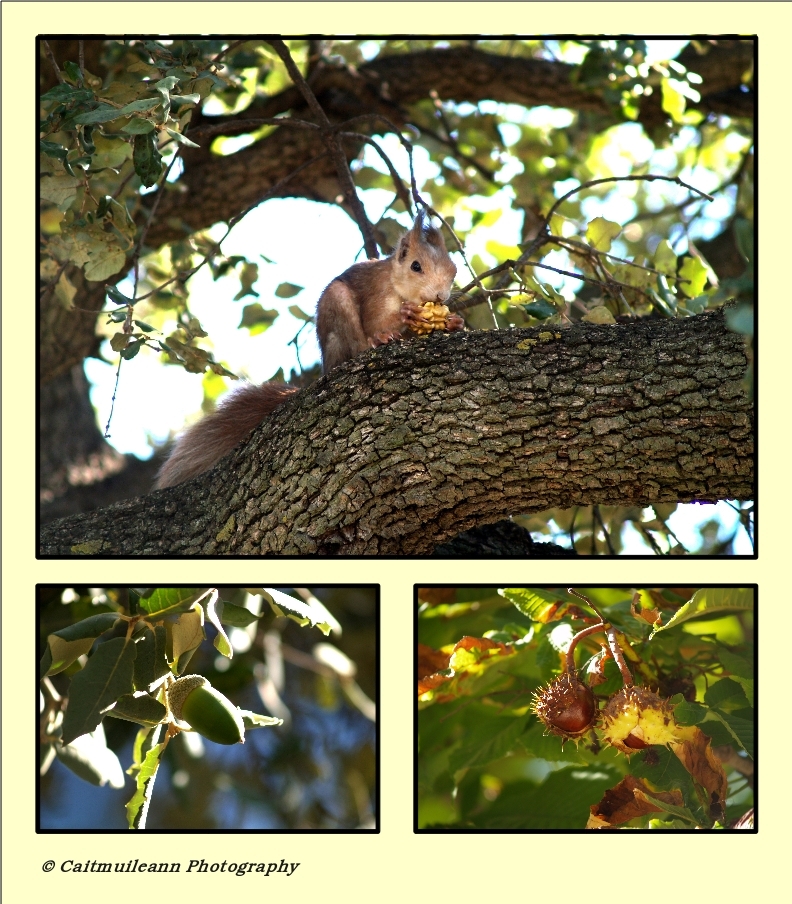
(616, 650)
(51, 55)
(337, 155)
(570, 654)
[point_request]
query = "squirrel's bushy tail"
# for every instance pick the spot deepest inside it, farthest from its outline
(201, 446)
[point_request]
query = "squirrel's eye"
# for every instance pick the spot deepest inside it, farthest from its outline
(415, 266)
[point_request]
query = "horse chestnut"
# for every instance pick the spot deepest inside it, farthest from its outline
(636, 718)
(566, 707)
(192, 699)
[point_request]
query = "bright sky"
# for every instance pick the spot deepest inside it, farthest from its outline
(310, 244)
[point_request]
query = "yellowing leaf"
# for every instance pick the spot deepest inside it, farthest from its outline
(694, 271)
(601, 232)
(600, 314)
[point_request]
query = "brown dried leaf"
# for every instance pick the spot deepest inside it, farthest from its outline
(696, 755)
(431, 660)
(652, 616)
(436, 596)
(626, 801)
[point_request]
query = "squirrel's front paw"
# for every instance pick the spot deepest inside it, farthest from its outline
(414, 315)
(454, 322)
(384, 338)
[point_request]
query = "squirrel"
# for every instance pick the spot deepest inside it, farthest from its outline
(370, 304)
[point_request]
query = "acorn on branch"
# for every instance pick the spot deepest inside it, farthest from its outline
(566, 707)
(193, 700)
(636, 718)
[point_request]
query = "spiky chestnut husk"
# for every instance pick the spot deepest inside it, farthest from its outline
(636, 718)
(566, 707)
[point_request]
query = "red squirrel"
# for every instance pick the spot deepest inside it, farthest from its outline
(370, 304)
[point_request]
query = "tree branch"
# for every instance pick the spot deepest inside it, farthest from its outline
(407, 445)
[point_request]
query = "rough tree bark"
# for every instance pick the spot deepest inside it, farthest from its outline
(406, 446)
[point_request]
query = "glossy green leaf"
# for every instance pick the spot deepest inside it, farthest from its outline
(89, 757)
(137, 808)
(168, 600)
(538, 604)
(151, 661)
(298, 611)
(141, 708)
(66, 646)
(221, 641)
(106, 677)
(709, 601)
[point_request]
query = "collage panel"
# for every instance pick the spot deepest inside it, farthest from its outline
(463, 297)
(554, 709)
(208, 709)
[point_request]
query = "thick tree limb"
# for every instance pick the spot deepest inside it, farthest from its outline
(406, 446)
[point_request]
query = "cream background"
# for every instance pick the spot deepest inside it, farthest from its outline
(396, 862)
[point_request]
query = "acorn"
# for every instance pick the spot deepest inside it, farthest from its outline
(193, 700)
(636, 718)
(566, 707)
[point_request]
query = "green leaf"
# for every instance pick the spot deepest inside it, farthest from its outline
(725, 694)
(89, 757)
(61, 190)
(694, 271)
(680, 812)
(151, 662)
(687, 713)
(236, 616)
(51, 149)
(256, 318)
(139, 106)
(297, 312)
(673, 100)
(132, 349)
(302, 613)
(255, 720)
(495, 740)
(168, 600)
(102, 113)
(67, 94)
(72, 71)
(664, 259)
(137, 808)
(601, 232)
(106, 677)
(538, 604)
(541, 309)
(221, 641)
(711, 600)
(187, 634)
(67, 645)
(147, 159)
(141, 708)
(181, 139)
(288, 290)
(139, 126)
(742, 730)
(562, 801)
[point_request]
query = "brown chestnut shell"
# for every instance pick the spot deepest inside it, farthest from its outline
(566, 707)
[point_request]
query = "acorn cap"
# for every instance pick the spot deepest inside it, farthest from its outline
(193, 700)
